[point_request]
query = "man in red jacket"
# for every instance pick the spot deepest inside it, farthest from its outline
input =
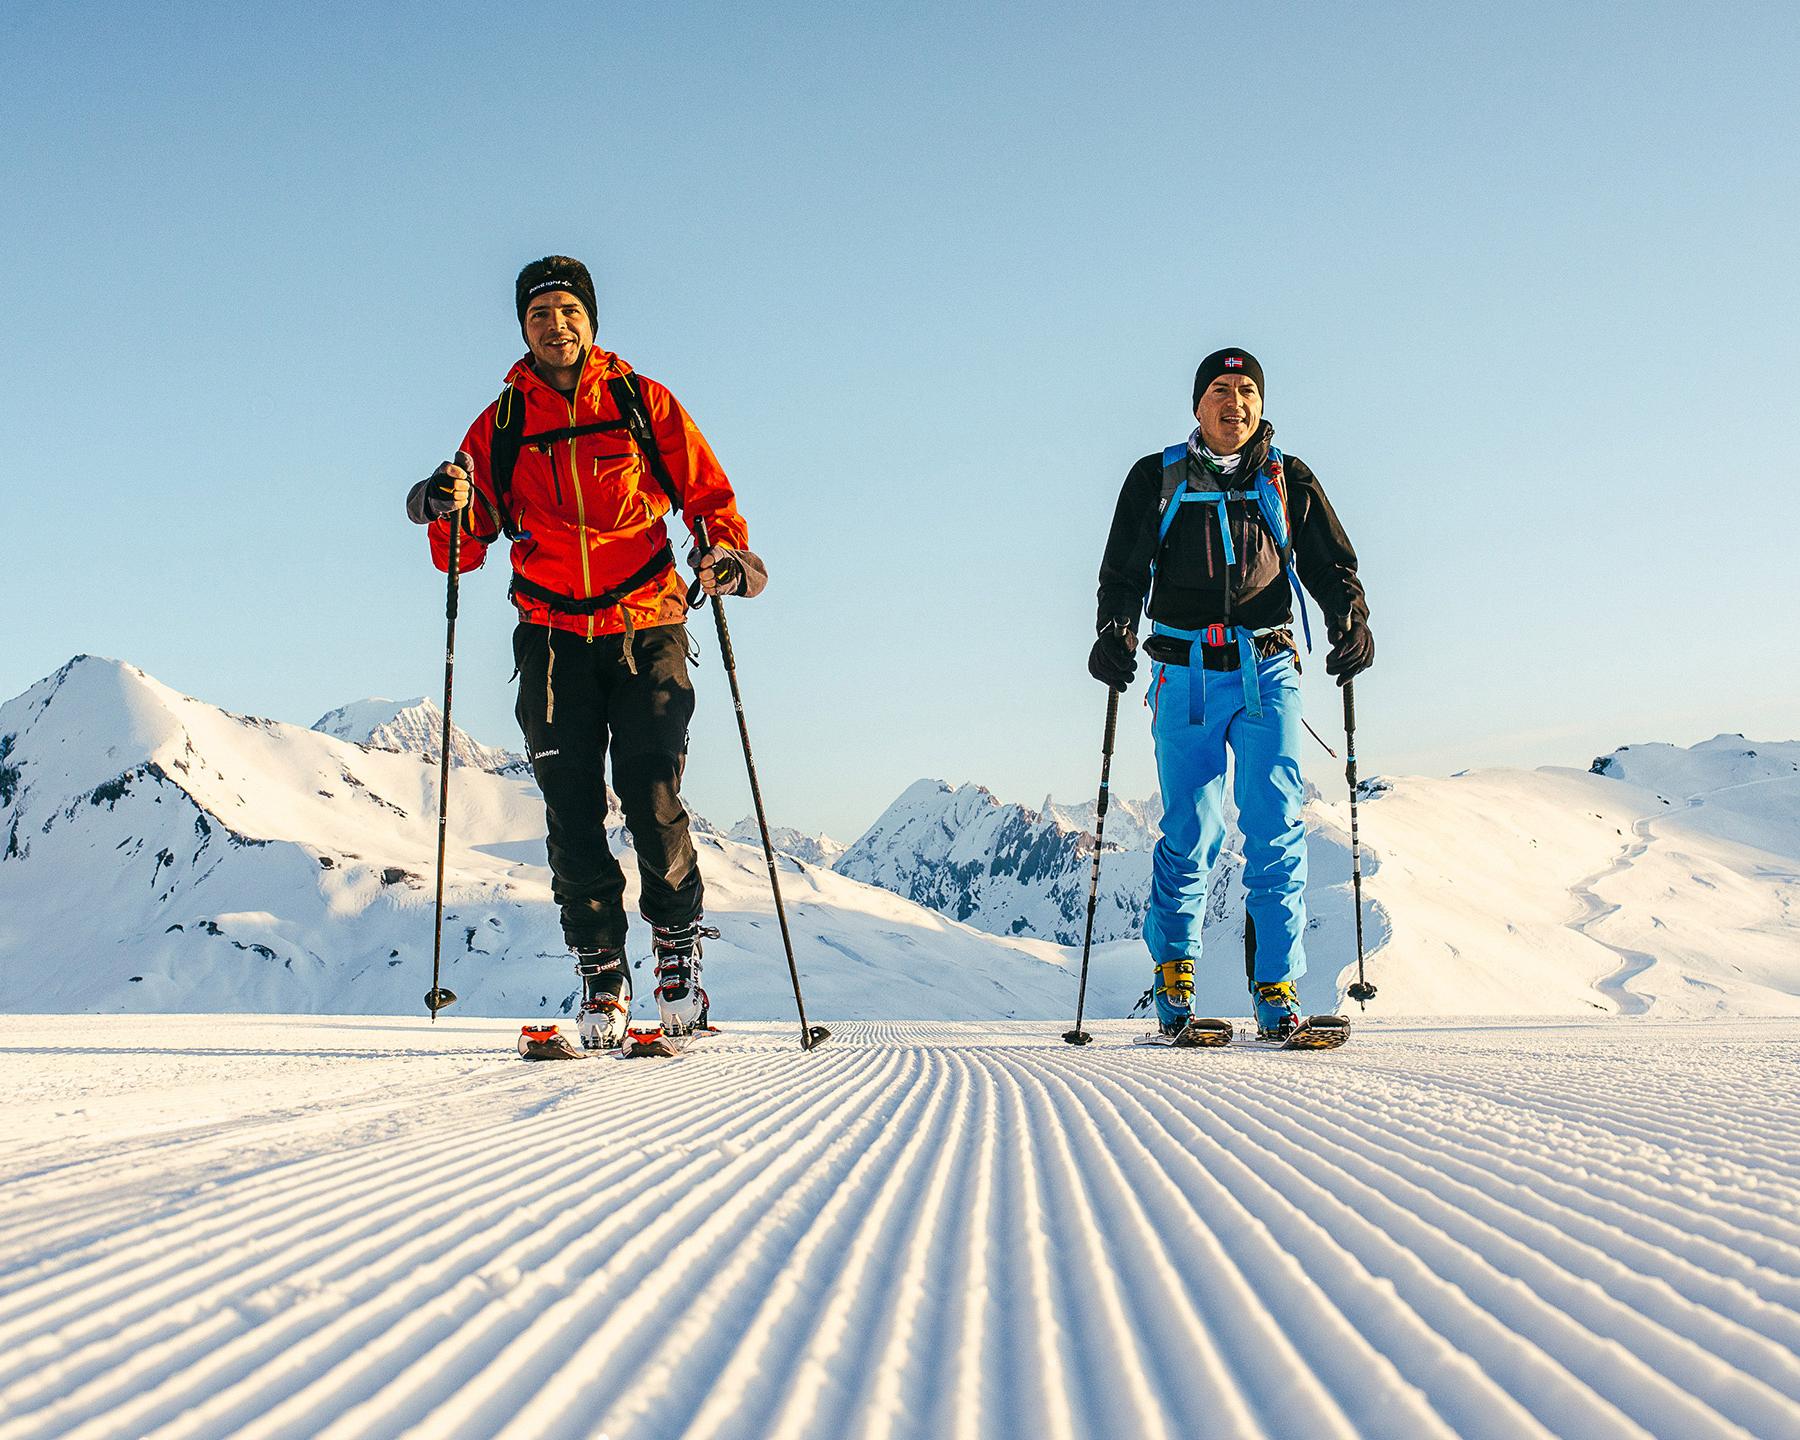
(578, 463)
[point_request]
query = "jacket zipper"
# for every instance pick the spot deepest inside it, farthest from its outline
(587, 583)
(1224, 522)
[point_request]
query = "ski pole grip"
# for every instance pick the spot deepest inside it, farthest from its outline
(1349, 707)
(1112, 721)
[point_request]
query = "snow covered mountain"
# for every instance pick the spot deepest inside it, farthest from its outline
(1002, 868)
(1130, 824)
(1011, 870)
(1664, 880)
(160, 854)
(415, 727)
(819, 850)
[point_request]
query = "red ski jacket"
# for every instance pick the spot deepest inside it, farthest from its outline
(591, 510)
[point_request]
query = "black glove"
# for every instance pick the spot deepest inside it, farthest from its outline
(718, 565)
(1352, 651)
(1113, 660)
(731, 571)
(440, 495)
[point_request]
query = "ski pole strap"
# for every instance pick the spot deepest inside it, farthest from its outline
(1215, 636)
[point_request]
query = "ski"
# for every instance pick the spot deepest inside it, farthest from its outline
(547, 1042)
(643, 1042)
(544, 1040)
(1198, 1034)
(1314, 1032)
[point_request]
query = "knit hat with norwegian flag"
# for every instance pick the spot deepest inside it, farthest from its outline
(1227, 362)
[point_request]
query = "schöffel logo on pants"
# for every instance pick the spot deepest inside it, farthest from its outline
(537, 755)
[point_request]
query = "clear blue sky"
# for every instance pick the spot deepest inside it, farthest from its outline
(1523, 280)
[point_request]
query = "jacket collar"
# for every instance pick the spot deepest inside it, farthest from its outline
(597, 367)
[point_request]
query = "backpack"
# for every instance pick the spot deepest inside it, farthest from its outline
(1270, 495)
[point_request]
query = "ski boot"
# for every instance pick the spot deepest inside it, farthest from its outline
(1173, 990)
(1176, 1023)
(1277, 1011)
(605, 999)
(1279, 1021)
(680, 999)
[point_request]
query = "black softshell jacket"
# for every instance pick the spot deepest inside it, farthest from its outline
(1193, 586)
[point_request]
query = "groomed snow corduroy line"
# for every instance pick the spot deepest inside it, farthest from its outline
(920, 1230)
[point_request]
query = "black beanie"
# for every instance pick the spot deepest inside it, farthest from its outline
(1227, 362)
(555, 272)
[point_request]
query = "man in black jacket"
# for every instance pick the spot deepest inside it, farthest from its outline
(1214, 533)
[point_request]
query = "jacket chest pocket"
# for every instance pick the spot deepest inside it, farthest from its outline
(1193, 557)
(614, 490)
(1259, 561)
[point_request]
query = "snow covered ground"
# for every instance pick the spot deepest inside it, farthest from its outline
(374, 1227)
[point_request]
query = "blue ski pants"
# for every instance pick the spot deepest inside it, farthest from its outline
(1195, 715)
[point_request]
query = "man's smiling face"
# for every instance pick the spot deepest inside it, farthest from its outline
(1229, 411)
(557, 329)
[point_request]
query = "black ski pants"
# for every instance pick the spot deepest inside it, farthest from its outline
(577, 698)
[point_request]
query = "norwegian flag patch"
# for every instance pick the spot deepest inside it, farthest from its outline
(1234, 362)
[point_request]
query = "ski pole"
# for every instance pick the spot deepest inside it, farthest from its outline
(1362, 991)
(1078, 1036)
(437, 997)
(810, 1035)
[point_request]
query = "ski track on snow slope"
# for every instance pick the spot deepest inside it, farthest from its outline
(924, 1229)
(1594, 910)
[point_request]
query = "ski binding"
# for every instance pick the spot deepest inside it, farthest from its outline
(1317, 1032)
(546, 1042)
(644, 1041)
(1200, 1033)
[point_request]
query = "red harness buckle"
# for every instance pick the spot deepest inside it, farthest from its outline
(1215, 635)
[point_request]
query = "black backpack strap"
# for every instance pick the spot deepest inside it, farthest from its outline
(503, 456)
(637, 421)
(569, 432)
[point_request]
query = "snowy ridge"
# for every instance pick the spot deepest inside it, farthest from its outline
(917, 1231)
(819, 850)
(160, 854)
(415, 727)
(1664, 881)
(1002, 868)
(1130, 824)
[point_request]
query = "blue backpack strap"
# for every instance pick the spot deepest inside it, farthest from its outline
(1225, 528)
(1174, 490)
(1269, 501)
(1274, 510)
